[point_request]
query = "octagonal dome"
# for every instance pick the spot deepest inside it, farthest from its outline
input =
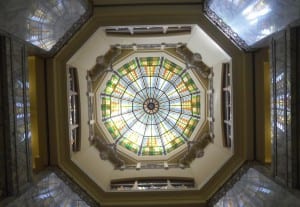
(150, 105)
(95, 162)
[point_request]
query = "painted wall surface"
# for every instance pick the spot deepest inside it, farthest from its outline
(285, 107)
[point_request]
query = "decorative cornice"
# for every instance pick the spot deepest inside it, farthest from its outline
(107, 151)
(193, 60)
(148, 30)
(196, 149)
(104, 62)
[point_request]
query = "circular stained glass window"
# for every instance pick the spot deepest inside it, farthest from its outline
(150, 106)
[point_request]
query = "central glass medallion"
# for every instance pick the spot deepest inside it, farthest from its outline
(150, 106)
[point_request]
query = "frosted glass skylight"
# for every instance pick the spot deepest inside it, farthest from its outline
(48, 21)
(150, 106)
(252, 20)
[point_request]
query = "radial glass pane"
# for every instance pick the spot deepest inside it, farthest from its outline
(150, 106)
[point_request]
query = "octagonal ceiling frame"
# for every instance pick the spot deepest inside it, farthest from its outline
(108, 151)
(58, 109)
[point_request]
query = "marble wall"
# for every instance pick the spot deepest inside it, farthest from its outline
(280, 69)
(252, 188)
(2, 121)
(15, 133)
(51, 191)
(295, 105)
(285, 107)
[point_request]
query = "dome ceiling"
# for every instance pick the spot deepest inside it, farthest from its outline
(150, 106)
(148, 101)
(90, 166)
(127, 83)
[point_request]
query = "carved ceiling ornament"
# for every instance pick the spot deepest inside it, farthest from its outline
(194, 60)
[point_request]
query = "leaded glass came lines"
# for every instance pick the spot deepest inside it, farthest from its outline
(150, 106)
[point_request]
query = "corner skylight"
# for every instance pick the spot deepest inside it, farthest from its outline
(48, 21)
(253, 20)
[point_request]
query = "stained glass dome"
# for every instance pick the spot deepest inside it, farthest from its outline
(150, 106)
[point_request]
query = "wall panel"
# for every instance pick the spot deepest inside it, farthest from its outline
(15, 118)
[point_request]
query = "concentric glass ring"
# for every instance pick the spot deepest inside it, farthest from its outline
(151, 106)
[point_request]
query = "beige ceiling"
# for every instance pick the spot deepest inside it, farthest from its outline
(78, 54)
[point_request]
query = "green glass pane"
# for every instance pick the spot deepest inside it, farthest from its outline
(126, 68)
(196, 104)
(119, 89)
(111, 84)
(129, 145)
(190, 127)
(170, 66)
(174, 144)
(190, 84)
(105, 107)
(133, 75)
(151, 70)
(152, 151)
(181, 87)
(112, 129)
(149, 61)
